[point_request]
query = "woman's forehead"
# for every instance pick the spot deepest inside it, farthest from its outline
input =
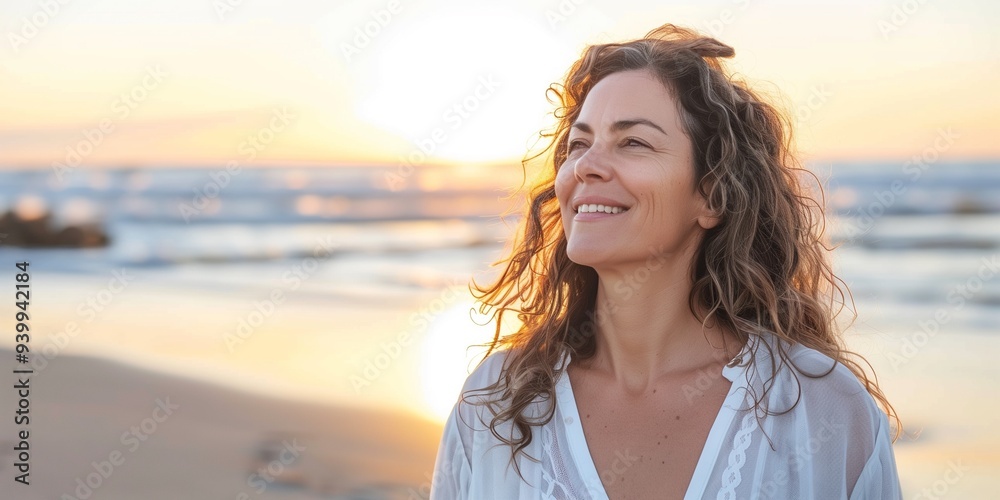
(628, 96)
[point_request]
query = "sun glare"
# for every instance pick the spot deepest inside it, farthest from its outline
(456, 89)
(450, 355)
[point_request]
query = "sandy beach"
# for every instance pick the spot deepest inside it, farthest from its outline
(157, 436)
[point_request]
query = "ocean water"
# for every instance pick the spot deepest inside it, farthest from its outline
(908, 237)
(375, 231)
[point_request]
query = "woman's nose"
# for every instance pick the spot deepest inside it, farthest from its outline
(593, 165)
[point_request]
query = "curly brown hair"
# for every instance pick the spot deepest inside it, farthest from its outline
(763, 267)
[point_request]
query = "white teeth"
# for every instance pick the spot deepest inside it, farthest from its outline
(584, 209)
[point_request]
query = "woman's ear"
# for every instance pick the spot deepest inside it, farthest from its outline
(708, 221)
(708, 217)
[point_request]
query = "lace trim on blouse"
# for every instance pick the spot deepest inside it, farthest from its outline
(731, 476)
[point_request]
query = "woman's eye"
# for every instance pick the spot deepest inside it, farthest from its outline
(576, 143)
(634, 142)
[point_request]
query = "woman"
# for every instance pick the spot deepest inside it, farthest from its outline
(677, 334)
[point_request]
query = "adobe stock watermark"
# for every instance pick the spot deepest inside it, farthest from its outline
(702, 382)
(619, 466)
(571, 18)
(249, 148)
(707, 377)
(121, 106)
(630, 285)
(626, 288)
(443, 471)
(956, 297)
(364, 35)
(132, 439)
(32, 25)
(563, 11)
(224, 7)
(374, 366)
(802, 456)
(818, 97)
(95, 303)
(863, 221)
(292, 280)
(266, 474)
(454, 117)
(941, 487)
(900, 15)
(726, 17)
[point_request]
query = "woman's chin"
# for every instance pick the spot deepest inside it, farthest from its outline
(591, 256)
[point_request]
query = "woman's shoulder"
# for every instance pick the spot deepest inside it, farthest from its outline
(826, 388)
(485, 393)
(482, 394)
(792, 374)
(487, 372)
(825, 375)
(835, 418)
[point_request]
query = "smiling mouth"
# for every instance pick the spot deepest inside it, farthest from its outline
(601, 209)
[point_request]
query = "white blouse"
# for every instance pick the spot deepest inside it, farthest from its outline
(834, 444)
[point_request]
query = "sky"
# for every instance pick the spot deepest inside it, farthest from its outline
(199, 82)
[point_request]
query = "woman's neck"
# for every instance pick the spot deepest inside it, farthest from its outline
(646, 329)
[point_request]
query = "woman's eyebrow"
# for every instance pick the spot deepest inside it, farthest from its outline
(620, 125)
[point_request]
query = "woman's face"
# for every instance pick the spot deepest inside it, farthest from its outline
(627, 190)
